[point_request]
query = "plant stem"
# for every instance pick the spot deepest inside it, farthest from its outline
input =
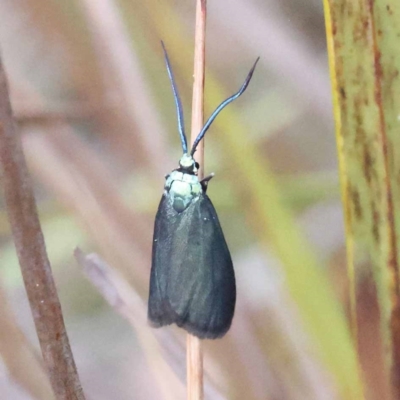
(35, 265)
(194, 346)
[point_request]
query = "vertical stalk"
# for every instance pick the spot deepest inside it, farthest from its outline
(35, 265)
(194, 346)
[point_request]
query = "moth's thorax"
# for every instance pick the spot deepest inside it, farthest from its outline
(182, 188)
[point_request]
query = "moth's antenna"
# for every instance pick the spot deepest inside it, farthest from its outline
(221, 107)
(178, 104)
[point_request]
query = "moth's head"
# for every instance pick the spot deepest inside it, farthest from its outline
(188, 164)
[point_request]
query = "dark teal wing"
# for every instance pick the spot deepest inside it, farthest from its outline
(192, 280)
(158, 307)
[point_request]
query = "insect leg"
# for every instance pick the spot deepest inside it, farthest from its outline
(204, 181)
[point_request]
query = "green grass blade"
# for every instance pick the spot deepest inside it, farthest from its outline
(364, 42)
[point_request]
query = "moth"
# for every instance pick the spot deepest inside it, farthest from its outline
(192, 281)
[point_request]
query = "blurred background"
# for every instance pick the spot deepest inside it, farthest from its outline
(98, 124)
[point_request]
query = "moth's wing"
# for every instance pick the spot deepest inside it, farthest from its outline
(201, 286)
(165, 226)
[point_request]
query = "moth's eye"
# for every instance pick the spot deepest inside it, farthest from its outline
(197, 165)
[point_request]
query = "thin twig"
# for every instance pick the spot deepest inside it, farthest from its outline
(194, 358)
(35, 266)
(198, 84)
